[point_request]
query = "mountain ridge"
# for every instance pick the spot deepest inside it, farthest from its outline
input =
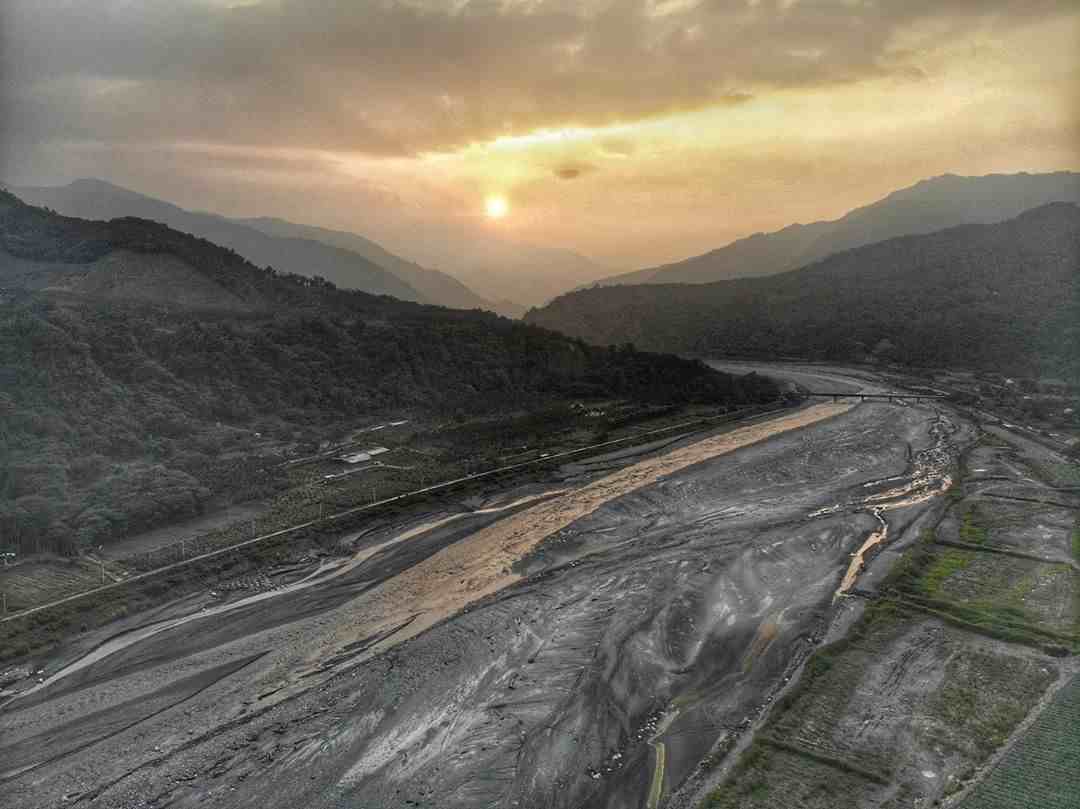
(348, 260)
(979, 295)
(436, 286)
(928, 205)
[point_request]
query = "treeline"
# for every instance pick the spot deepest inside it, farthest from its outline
(116, 416)
(1004, 297)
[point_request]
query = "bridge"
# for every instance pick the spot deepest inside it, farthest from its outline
(897, 398)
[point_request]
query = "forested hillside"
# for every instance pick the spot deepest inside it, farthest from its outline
(120, 409)
(1003, 297)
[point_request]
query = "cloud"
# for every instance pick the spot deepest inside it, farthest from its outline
(572, 171)
(400, 77)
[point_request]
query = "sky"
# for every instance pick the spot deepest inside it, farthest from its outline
(635, 132)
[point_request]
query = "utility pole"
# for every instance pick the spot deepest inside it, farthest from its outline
(102, 561)
(4, 597)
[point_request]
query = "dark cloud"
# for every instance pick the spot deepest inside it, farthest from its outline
(393, 77)
(571, 171)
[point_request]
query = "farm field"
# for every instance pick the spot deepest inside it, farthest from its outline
(51, 578)
(1043, 768)
(906, 706)
(957, 643)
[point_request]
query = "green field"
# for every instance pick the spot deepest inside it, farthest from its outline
(770, 776)
(998, 595)
(1043, 768)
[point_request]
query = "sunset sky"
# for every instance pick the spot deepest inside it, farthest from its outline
(632, 131)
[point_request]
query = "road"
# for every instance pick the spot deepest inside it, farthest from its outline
(376, 505)
(532, 650)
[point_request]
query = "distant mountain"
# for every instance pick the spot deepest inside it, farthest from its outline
(527, 273)
(134, 357)
(508, 274)
(927, 206)
(345, 259)
(434, 286)
(495, 264)
(132, 260)
(1004, 296)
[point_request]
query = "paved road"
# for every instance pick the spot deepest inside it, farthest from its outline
(443, 486)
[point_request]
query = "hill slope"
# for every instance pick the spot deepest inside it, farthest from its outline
(927, 206)
(136, 362)
(1003, 296)
(96, 199)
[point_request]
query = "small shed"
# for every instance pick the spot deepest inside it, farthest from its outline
(362, 455)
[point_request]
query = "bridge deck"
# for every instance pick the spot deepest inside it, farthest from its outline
(880, 397)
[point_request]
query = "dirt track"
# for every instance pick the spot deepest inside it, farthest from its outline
(519, 654)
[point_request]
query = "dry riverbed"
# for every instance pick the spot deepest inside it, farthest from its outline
(535, 650)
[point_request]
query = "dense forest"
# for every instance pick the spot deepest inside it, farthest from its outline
(121, 410)
(1004, 297)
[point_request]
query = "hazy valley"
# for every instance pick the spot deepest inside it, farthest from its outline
(536, 404)
(620, 618)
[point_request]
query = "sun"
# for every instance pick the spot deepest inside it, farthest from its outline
(496, 207)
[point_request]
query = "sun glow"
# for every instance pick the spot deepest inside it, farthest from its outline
(496, 207)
